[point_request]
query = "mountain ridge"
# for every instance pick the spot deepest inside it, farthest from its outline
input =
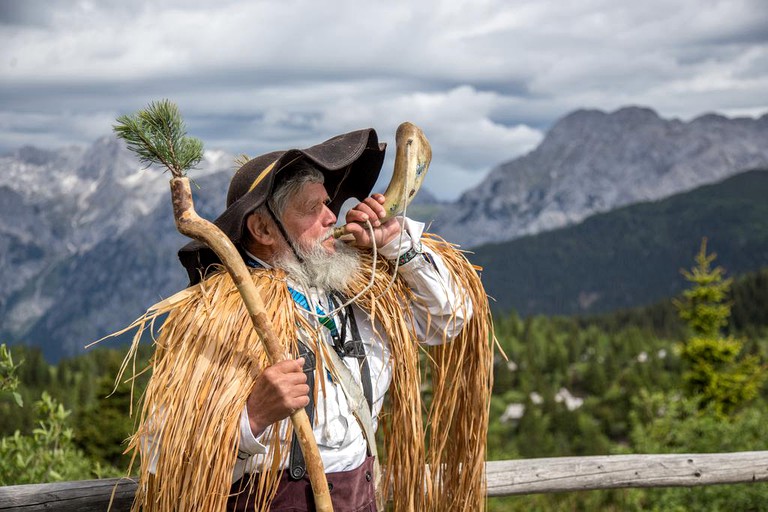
(591, 161)
(87, 239)
(632, 255)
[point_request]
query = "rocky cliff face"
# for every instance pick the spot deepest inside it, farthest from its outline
(592, 161)
(86, 238)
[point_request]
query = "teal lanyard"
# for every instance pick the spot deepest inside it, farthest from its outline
(300, 299)
(326, 321)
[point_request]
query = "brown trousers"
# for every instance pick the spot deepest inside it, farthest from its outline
(351, 491)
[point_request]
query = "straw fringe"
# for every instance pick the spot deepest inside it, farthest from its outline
(435, 447)
(207, 355)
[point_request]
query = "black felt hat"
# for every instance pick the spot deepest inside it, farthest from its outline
(350, 163)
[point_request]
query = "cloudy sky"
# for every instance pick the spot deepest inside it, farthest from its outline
(485, 79)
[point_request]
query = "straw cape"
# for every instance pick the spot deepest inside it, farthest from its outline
(207, 354)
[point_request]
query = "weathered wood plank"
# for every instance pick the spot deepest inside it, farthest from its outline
(505, 478)
(81, 496)
(530, 476)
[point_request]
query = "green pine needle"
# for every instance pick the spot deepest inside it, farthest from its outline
(158, 136)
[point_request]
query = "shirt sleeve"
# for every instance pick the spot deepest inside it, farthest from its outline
(249, 444)
(441, 307)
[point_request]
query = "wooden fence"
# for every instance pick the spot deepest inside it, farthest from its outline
(505, 478)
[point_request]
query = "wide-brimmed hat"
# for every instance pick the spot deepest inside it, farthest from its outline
(350, 163)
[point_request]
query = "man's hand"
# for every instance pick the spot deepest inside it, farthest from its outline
(371, 209)
(279, 390)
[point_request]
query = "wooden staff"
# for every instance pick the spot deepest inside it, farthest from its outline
(157, 136)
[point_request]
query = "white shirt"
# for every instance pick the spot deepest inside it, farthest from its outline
(442, 307)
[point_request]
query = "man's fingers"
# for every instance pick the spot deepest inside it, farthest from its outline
(292, 394)
(370, 209)
(289, 365)
(284, 375)
(280, 390)
(295, 378)
(375, 207)
(357, 216)
(302, 396)
(363, 212)
(295, 392)
(292, 372)
(301, 402)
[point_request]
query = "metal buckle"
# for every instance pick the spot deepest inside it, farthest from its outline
(354, 348)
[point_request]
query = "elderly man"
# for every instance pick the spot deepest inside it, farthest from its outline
(281, 211)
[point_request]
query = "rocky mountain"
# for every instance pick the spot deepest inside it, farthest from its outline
(86, 238)
(592, 161)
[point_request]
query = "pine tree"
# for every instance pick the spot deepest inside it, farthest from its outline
(717, 375)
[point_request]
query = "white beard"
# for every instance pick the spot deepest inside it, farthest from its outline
(320, 268)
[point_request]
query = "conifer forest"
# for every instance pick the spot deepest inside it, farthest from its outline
(684, 375)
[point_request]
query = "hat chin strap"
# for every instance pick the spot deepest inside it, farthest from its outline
(283, 232)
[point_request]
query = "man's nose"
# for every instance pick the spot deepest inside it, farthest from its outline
(330, 217)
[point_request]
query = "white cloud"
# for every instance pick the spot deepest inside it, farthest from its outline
(18, 128)
(484, 78)
(465, 141)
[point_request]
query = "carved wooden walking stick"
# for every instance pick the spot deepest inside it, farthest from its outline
(157, 135)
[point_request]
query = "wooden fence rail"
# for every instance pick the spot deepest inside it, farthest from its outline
(531, 476)
(505, 478)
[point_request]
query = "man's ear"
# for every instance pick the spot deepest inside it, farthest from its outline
(261, 230)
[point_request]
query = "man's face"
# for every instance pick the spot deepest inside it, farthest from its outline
(308, 220)
(326, 262)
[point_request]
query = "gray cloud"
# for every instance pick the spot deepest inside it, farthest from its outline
(28, 12)
(484, 78)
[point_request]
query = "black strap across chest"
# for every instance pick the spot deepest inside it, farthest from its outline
(345, 348)
(352, 347)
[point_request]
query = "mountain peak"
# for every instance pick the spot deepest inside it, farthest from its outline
(34, 156)
(630, 115)
(711, 117)
(88, 212)
(635, 114)
(592, 161)
(107, 155)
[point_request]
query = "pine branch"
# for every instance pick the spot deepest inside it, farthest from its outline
(158, 136)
